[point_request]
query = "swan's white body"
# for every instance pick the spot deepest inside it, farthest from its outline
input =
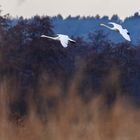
(64, 39)
(118, 28)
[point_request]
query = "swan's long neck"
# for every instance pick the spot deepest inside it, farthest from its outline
(54, 38)
(106, 26)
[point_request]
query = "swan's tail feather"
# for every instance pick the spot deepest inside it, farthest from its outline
(71, 40)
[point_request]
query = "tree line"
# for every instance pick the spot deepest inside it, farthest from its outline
(28, 61)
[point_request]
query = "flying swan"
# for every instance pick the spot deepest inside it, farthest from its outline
(64, 39)
(118, 28)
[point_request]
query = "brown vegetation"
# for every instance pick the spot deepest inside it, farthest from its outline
(70, 117)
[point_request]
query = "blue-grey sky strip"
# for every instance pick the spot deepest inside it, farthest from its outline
(28, 8)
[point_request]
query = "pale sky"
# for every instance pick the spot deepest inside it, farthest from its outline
(28, 8)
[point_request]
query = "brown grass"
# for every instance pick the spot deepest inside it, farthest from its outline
(71, 118)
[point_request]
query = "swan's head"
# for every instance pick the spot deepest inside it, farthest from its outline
(101, 24)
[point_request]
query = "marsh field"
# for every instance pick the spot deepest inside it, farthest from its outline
(51, 115)
(87, 91)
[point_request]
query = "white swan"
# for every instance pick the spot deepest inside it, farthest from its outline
(64, 39)
(118, 28)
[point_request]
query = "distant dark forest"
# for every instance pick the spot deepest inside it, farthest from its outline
(82, 26)
(28, 61)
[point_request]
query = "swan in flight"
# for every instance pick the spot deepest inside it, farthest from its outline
(64, 39)
(118, 28)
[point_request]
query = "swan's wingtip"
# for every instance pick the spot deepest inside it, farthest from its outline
(128, 39)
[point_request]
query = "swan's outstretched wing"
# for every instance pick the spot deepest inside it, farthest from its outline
(64, 43)
(125, 34)
(64, 40)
